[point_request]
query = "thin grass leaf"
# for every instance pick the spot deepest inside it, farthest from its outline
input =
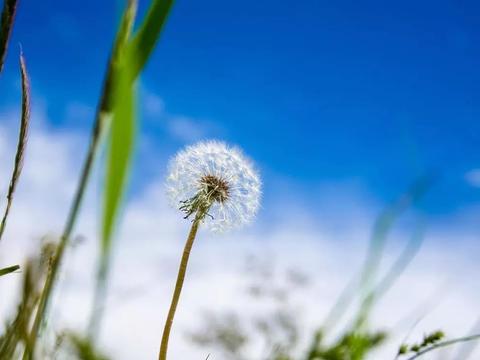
(120, 151)
(146, 37)
(84, 349)
(384, 225)
(398, 267)
(445, 344)
(9, 270)
(122, 135)
(381, 230)
(6, 25)
(119, 155)
(100, 126)
(118, 162)
(22, 142)
(15, 336)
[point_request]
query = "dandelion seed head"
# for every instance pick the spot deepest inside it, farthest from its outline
(216, 179)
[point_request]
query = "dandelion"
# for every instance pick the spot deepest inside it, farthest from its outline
(215, 185)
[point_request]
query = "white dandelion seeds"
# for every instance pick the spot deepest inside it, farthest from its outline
(218, 186)
(215, 181)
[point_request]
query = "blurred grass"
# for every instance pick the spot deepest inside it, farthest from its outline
(9, 269)
(133, 55)
(119, 153)
(6, 25)
(119, 64)
(22, 143)
(365, 286)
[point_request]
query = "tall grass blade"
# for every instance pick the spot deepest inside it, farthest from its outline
(119, 155)
(381, 230)
(398, 267)
(122, 137)
(146, 37)
(6, 25)
(22, 143)
(104, 108)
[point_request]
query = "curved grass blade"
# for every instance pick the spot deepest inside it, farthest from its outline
(445, 344)
(146, 37)
(6, 25)
(120, 148)
(381, 230)
(384, 225)
(122, 137)
(398, 267)
(99, 128)
(118, 160)
(22, 142)
(9, 270)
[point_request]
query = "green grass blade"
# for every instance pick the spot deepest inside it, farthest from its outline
(445, 344)
(9, 270)
(121, 102)
(100, 126)
(6, 25)
(22, 142)
(120, 149)
(146, 37)
(381, 230)
(123, 127)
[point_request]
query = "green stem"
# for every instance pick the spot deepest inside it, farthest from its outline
(64, 240)
(103, 110)
(445, 343)
(178, 288)
(9, 270)
(99, 299)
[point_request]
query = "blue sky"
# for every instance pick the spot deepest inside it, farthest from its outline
(371, 93)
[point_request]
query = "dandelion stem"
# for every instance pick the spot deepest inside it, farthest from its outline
(178, 287)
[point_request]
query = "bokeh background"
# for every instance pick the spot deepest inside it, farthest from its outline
(342, 105)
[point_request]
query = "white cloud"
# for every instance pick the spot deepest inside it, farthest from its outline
(79, 113)
(183, 128)
(473, 177)
(152, 103)
(189, 130)
(151, 241)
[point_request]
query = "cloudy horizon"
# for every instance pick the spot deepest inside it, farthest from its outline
(327, 244)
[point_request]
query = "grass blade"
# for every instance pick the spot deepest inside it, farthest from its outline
(122, 137)
(120, 150)
(444, 344)
(148, 34)
(22, 142)
(381, 230)
(6, 25)
(119, 155)
(100, 125)
(9, 270)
